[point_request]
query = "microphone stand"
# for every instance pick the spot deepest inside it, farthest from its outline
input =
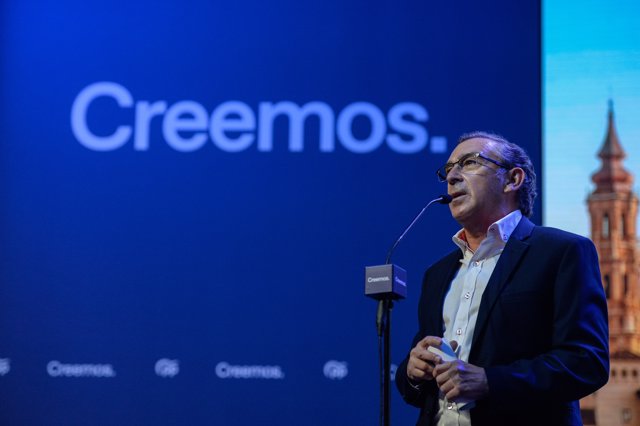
(393, 279)
(387, 306)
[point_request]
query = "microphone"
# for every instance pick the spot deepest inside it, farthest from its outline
(443, 199)
(390, 281)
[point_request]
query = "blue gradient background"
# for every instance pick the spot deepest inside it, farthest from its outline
(126, 257)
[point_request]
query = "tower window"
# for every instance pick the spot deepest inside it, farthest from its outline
(605, 226)
(626, 284)
(607, 286)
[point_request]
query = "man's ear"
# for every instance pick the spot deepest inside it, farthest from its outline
(515, 179)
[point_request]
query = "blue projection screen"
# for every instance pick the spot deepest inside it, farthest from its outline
(190, 192)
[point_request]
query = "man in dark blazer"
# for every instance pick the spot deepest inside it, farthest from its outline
(522, 305)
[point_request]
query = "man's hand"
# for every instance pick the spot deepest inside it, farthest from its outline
(461, 381)
(422, 362)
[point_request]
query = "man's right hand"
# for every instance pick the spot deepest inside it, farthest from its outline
(421, 361)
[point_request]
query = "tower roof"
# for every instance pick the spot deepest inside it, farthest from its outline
(611, 147)
(612, 176)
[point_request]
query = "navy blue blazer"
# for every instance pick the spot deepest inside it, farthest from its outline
(541, 333)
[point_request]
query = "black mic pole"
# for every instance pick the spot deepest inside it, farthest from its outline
(387, 283)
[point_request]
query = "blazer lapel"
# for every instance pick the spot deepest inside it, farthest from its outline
(509, 259)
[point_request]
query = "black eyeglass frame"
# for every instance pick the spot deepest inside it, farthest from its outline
(442, 172)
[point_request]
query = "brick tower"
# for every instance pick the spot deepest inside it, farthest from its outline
(613, 208)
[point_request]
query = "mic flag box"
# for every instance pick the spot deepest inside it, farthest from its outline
(385, 282)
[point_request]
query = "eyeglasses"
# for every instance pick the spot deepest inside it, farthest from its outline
(468, 164)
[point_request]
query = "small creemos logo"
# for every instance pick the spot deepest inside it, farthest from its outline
(224, 370)
(59, 369)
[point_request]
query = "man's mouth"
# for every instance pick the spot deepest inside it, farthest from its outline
(456, 194)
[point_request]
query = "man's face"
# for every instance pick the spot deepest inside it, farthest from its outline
(478, 195)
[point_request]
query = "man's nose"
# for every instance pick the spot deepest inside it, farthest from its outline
(454, 175)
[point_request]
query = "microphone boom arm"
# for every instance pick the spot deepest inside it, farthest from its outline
(443, 199)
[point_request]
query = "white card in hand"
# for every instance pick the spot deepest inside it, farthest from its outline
(445, 352)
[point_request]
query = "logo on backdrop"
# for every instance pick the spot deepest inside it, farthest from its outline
(335, 370)
(392, 372)
(234, 126)
(5, 366)
(167, 367)
(224, 370)
(58, 369)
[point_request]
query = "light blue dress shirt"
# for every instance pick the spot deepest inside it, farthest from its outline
(462, 302)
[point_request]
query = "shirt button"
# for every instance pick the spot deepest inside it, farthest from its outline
(467, 295)
(459, 331)
(476, 263)
(450, 406)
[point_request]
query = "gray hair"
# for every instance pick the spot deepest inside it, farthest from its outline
(514, 156)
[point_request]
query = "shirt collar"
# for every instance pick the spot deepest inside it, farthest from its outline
(499, 230)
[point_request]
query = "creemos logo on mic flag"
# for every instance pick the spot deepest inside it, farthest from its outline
(234, 126)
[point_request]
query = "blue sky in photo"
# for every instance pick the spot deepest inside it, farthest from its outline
(591, 54)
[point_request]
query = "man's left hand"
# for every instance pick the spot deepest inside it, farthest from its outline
(461, 381)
